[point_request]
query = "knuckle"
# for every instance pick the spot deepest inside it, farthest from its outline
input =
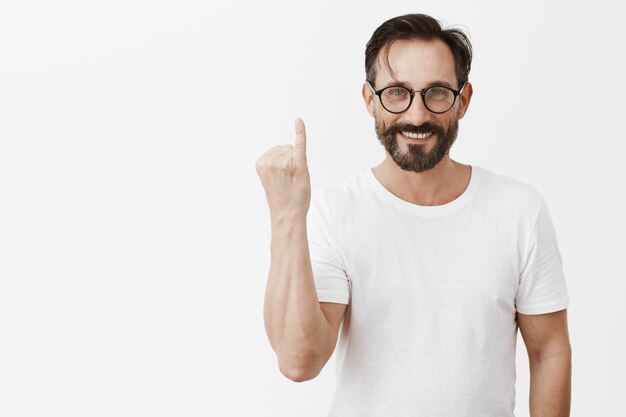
(273, 165)
(269, 166)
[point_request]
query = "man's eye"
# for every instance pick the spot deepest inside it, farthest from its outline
(438, 92)
(397, 92)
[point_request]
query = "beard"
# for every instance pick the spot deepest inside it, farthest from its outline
(416, 159)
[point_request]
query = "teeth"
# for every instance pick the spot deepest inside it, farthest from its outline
(416, 135)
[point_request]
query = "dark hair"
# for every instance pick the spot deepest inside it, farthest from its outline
(418, 27)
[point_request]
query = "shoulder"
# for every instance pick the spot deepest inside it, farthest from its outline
(341, 192)
(509, 191)
(339, 200)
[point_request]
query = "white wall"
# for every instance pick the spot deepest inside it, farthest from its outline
(134, 232)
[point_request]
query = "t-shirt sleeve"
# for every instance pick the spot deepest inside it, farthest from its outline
(329, 272)
(542, 286)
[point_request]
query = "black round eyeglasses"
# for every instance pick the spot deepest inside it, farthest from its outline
(437, 99)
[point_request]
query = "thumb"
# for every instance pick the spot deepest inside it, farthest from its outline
(300, 137)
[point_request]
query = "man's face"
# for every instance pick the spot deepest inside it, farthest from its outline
(416, 65)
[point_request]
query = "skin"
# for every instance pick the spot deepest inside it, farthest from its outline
(304, 332)
(547, 342)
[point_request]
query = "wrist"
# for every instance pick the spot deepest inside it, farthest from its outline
(288, 218)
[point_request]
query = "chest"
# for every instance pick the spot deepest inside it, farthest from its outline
(460, 265)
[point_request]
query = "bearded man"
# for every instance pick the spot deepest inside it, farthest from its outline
(420, 270)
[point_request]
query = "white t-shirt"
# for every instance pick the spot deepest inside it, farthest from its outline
(432, 292)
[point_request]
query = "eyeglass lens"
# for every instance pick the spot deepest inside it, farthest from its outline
(436, 99)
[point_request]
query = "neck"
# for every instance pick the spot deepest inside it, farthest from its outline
(437, 186)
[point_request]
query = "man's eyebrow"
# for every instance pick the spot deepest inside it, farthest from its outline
(440, 84)
(398, 83)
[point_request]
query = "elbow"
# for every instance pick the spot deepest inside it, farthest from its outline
(299, 372)
(301, 362)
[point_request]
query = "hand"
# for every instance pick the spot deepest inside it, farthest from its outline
(285, 176)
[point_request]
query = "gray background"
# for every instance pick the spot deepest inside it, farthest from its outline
(134, 232)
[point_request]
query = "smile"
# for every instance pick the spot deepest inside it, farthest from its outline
(417, 135)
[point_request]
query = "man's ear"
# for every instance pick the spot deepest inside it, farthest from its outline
(368, 97)
(464, 99)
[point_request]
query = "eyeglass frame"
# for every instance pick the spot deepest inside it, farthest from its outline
(412, 94)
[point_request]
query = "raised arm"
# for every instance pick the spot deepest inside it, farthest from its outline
(302, 331)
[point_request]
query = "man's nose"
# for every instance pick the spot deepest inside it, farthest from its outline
(417, 113)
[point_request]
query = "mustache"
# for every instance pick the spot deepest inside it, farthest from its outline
(408, 127)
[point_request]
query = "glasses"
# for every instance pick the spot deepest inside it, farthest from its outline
(437, 99)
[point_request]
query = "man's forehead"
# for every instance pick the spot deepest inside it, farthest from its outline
(416, 61)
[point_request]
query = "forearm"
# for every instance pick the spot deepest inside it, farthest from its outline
(295, 324)
(550, 386)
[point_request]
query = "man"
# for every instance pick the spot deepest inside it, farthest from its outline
(430, 265)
